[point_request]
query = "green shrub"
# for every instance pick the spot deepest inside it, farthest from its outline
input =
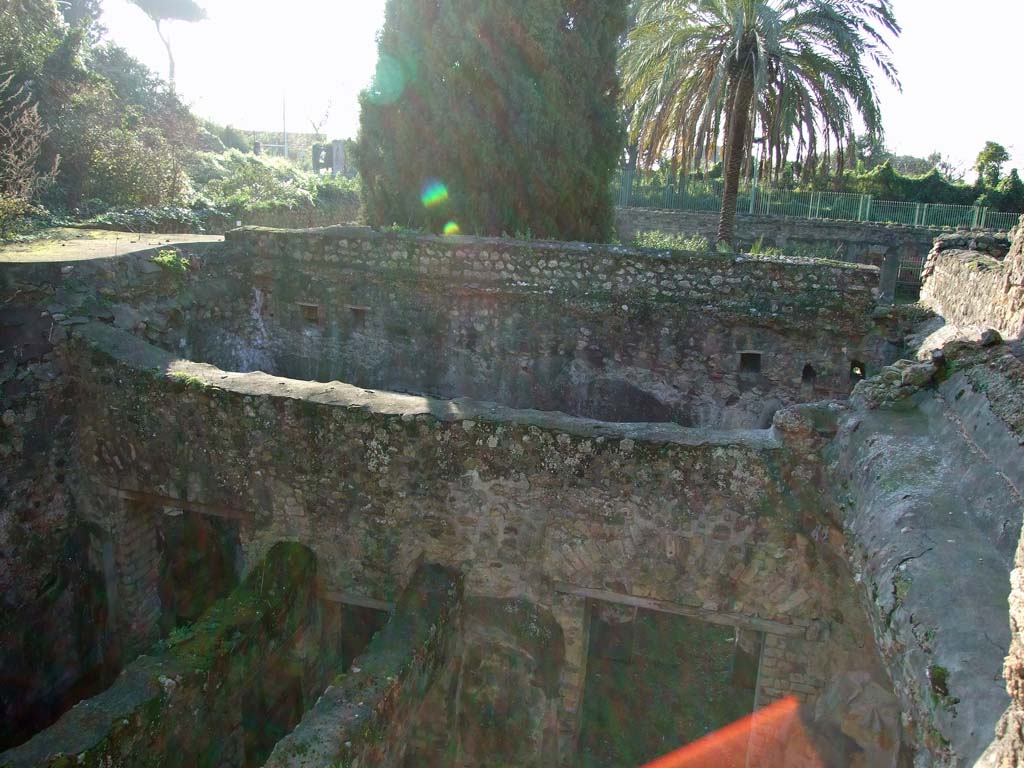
(169, 219)
(796, 250)
(13, 211)
(663, 241)
(237, 180)
(170, 260)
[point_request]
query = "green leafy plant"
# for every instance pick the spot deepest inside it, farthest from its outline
(172, 261)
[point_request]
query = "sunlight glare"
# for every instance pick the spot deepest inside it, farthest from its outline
(728, 746)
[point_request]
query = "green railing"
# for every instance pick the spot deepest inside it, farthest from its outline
(631, 191)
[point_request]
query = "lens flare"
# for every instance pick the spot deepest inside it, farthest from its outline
(733, 746)
(452, 228)
(434, 194)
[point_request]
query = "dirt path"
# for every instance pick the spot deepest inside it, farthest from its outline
(67, 244)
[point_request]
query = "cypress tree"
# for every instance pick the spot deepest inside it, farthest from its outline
(494, 117)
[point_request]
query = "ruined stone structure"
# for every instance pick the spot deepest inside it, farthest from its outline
(596, 332)
(977, 281)
(898, 251)
(540, 467)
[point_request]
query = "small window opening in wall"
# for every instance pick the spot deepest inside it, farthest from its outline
(750, 363)
(310, 313)
(359, 315)
(809, 376)
(858, 372)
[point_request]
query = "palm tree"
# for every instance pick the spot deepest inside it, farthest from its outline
(701, 72)
(170, 10)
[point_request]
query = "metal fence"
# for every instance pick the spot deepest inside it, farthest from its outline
(631, 191)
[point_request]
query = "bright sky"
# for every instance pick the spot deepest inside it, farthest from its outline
(957, 62)
(240, 64)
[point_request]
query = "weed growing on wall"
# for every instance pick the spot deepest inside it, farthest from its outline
(170, 260)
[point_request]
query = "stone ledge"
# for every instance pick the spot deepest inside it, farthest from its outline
(246, 235)
(132, 351)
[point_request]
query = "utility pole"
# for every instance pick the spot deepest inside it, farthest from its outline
(284, 122)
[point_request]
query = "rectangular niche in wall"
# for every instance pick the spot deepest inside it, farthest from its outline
(310, 313)
(656, 682)
(197, 564)
(358, 315)
(750, 363)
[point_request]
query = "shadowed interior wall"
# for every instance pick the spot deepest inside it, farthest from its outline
(612, 334)
(724, 524)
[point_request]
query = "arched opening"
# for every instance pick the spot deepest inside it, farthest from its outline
(809, 376)
(858, 371)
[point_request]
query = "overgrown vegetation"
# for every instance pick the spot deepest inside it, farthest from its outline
(663, 241)
(940, 183)
(22, 134)
(89, 133)
(172, 261)
(494, 117)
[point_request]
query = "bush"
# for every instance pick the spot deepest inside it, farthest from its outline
(239, 181)
(170, 219)
(663, 241)
(333, 192)
(12, 212)
(172, 261)
(269, 191)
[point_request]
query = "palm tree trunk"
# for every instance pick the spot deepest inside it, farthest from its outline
(736, 143)
(170, 56)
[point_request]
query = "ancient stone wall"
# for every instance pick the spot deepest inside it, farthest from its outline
(725, 526)
(54, 644)
(365, 718)
(77, 568)
(497, 700)
(543, 512)
(897, 250)
(978, 281)
(698, 339)
(1007, 750)
(928, 469)
(212, 694)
